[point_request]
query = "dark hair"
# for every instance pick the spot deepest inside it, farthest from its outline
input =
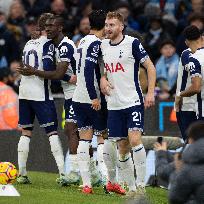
(196, 130)
(167, 42)
(42, 19)
(196, 16)
(191, 33)
(97, 19)
(4, 72)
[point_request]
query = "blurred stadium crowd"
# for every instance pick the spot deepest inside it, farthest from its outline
(159, 22)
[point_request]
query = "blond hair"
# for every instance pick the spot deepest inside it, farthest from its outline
(115, 15)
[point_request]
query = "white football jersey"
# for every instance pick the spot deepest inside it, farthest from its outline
(121, 63)
(196, 68)
(88, 70)
(184, 81)
(38, 53)
(65, 53)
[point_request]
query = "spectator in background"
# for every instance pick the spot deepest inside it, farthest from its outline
(197, 6)
(187, 184)
(154, 37)
(9, 48)
(36, 7)
(30, 27)
(58, 7)
(167, 69)
(83, 30)
(16, 20)
(8, 103)
(15, 76)
(196, 19)
(5, 5)
(130, 23)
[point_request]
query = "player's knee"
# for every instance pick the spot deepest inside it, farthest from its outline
(86, 134)
(27, 131)
(123, 147)
(51, 130)
(134, 138)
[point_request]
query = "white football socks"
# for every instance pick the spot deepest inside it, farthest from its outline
(139, 158)
(126, 170)
(74, 167)
(57, 152)
(84, 162)
(110, 159)
(101, 164)
(23, 149)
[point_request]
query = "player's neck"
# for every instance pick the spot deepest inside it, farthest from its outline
(97, 33)
(118, 39)
(196, 45)
(58, 39)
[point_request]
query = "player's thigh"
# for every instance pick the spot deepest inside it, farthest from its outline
(83, 114)
(99, 119)
(69, 111)
(135, 124)
(116, 125)
(46, 114)
(26, 114)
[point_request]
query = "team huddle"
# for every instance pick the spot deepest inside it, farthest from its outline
(103, 97)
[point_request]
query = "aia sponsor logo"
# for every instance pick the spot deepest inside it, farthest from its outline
(114, 67)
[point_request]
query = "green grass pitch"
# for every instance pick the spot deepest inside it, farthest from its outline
(44, 190)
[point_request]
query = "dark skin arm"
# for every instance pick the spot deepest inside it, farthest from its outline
(59, 73)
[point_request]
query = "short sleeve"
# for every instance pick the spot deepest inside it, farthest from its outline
(48, 56)
(194, 67)
(66, 52)
(138, 51)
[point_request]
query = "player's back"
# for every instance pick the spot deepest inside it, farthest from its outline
(88, 51)
(65, 52)
(38, 53)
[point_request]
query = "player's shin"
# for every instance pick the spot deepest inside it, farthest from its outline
(110, 159)
(139, 157)
(57, 152)
(126, 169)
(23, 150)
(101, 164)
(84, 161)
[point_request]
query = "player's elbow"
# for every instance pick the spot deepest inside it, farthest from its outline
(197, 89)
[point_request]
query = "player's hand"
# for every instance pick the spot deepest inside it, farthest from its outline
(26, 70)
(178, 103)
(73, 79)
(106, 86)
(162, 146)
(96, 105)
(149, 100)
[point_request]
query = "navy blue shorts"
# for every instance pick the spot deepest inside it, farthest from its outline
(88, 118)
(44, 111)
(184, 119)
(69, 111)
(120, 121)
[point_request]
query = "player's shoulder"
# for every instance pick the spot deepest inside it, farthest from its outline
(66, 42)
(198, 54)
(105, 43)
